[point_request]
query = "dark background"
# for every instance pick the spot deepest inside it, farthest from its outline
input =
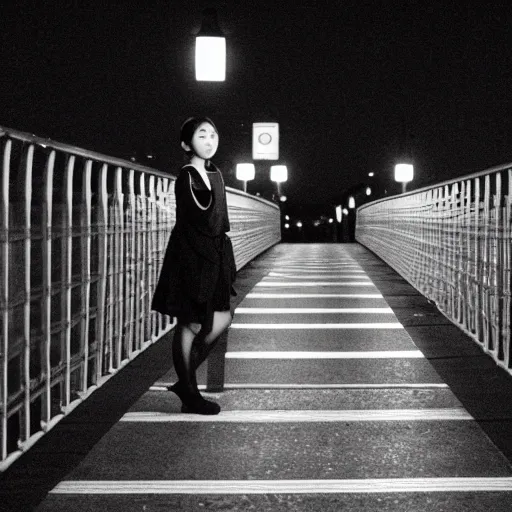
(353, 84)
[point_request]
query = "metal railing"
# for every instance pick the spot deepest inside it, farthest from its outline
(82, 240)
(452, 242)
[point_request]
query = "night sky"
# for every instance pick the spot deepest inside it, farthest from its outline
(353, 84)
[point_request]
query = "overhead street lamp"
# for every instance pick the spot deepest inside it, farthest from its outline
(404, 173)
(245, 173)
(279, 174)
(210, 49)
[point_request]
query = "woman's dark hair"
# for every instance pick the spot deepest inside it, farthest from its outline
(189, 127)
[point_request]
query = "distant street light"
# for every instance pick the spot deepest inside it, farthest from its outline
(339, 213)
(351, 202)
(403, 174)
(371, 174)
(368, 191)
(210, 49)
(245, 173)
(345, 211)
(278, 173)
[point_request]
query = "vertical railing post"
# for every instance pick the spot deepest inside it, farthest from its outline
(110, 295)
(486, 278)
(130, 267)
(103, 236)
(4, 240)
(28, 158)
(451, 245)
(47, 285)
(496, 297)
(86, 273)
(468, 298)
(507, 240)
(152, 251)
(440, 247)
(460, 257)
(141, 262)
(67, 275)
(121, 269)
(477, 268)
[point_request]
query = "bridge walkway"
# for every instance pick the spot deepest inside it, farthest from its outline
(344, 389)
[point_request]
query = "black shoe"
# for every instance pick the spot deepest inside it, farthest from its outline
(198, 405)
(195, 404)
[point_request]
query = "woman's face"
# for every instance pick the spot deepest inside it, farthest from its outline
(205, 141)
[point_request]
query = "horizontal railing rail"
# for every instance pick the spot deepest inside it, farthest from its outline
(82, 240)
(451, 241)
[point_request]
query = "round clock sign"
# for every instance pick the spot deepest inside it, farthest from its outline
(264, 138)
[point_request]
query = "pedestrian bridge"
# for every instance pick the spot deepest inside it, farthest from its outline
(363, 376)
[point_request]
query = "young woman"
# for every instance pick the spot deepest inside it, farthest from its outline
(195, 283)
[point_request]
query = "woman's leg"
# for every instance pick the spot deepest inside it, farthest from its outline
(184, 336)
(184, 356)
(204, 342)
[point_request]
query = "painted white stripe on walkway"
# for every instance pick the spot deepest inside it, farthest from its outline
(265, 311)
(256, 295)
(313, 263)
(312, 416)
(345, 273)
(299, 271)
(391, 325)
(313, 260)
(165, 386)
(377, 354)
(291, 284)
(317, 270)
(317, 262)
(314, 277)
(367, 485)
(321, 270)
(269, 277)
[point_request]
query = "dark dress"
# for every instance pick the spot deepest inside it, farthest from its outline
(199, 267)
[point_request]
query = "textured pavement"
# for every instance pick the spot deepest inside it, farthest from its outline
(362, 408)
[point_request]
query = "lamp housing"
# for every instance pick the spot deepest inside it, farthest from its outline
(278, 173)
(245, 172)
(404, 172)
(210, 54)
